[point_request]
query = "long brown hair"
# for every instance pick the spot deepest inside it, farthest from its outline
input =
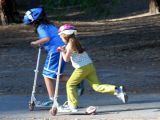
(75, 44)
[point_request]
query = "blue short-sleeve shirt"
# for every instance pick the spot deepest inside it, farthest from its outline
(52, 60)
(50, 31)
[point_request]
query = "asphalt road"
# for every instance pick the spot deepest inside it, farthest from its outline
(139, 107)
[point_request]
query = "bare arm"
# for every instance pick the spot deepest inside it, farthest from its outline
(66, 53)
(40, 41)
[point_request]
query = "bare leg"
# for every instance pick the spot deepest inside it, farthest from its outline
(49, 84)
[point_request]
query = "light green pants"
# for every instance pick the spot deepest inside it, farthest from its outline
(86, 72)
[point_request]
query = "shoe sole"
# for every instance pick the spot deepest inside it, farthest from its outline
(126, 98)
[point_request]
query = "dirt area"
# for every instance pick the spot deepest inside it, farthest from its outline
(125, 52)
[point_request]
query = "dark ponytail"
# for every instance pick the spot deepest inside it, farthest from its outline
(41, 20)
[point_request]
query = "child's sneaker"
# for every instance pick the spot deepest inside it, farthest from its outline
(47, 103)
(80, 88)
(65, 104)
(66, 108)
(73, 109)
(121, 94)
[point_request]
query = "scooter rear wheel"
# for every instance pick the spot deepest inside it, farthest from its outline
(31, 106)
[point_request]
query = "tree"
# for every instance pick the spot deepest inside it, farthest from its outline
(2, 14)
(158, 3)
(8, 12)
(154, 6)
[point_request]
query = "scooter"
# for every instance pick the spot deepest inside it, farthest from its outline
(33, 102)
(56, 105)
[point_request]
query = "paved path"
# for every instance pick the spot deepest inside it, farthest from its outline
(139, 107)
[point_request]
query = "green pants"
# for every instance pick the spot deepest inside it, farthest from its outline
(86, 72)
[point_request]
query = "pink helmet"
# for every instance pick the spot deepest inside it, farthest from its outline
(67, 29)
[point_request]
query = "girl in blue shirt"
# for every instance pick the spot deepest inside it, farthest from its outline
(50, 41)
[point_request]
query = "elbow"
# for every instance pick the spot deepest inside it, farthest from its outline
(66, 60)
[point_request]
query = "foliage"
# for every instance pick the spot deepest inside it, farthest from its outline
(65, 3)
(98, 7)
(114, 2)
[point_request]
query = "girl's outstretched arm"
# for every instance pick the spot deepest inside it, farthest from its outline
(40, 41)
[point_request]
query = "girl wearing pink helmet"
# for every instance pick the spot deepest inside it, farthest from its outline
(84, 69)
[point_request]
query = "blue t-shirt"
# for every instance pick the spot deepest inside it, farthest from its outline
(51, 32)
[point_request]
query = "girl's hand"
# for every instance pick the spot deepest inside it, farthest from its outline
(40, 42)
(61, 49)
(34, 44)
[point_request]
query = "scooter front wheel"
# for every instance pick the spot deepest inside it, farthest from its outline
(53, 111)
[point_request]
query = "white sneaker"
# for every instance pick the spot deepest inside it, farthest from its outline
(73, 109)
(120, 93)
(63, 109)
(66, 108)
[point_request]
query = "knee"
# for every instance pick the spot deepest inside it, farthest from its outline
(95, 87)
(71, 84)
(68, 84)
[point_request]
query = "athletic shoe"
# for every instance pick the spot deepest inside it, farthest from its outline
(121, 94)
(47, 103)
(66, 108)
(80, 88)
(65, 104)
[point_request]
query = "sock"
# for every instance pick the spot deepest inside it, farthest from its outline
(51, 98)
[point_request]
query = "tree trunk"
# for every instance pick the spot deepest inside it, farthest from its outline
(158, 3)
(153, 6)
(2, 14)
(9, 13)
